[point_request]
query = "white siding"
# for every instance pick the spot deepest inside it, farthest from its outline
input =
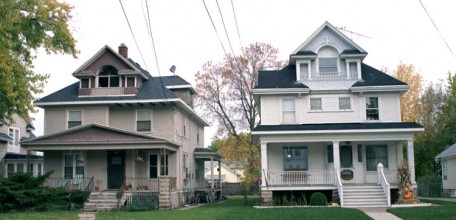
(450, 182)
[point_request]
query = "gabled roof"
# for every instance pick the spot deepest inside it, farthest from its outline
(176, 82)
(4, 137)
(101, 52)
(449, 152)
(330, 27)
(93, 134)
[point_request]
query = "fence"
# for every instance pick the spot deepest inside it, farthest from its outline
(430, 190)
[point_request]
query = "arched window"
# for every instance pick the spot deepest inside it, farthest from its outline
(108, 77)
(327, 60)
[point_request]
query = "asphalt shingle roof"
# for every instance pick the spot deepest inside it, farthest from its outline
(284, 78)
(5, 137)
(449, 152)
(11, 156)
(338, 126)
(374, 77)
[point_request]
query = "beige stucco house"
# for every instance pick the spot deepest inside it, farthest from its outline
(331, 123)
(119, 127)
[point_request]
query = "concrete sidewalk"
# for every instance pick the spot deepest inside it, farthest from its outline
(379, 213)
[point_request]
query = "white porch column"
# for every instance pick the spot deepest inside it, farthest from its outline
(220, 173)
(411, 160)
(212, 173)
(336, 156)
(399, 153)
(264, 162)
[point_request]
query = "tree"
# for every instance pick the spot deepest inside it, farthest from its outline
(26, 26)
(225, 94)
(410, 106)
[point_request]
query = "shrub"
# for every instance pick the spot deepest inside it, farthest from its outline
(142, 203)
(318, 199)
(302, 200)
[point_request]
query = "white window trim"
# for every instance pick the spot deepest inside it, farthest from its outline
(68, 116)
(321, 104)
(351, 103)
(158, 164)
(295, 111)
(358, 67)
(444, 169)
(73, 154)
(126, 80)
(13, 145)
(15, 163)
(379, 109)
(90, 83)
(317, 69)
(298, 69)
(151, 120)
(97, 77)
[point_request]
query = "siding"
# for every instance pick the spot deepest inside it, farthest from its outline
(450, 183)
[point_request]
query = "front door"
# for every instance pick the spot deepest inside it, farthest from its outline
(116, 169)
(346, 163)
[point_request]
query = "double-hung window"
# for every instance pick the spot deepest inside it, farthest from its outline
(14, 135)
(74, 118)
(158, 165)
(288, 111)
(294, 158)
(143, 120)
(344, 103)
(372, 110)
(376, 154)
(73, 165)
(315, 104)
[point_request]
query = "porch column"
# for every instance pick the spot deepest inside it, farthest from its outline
(399, 153)
(27, 169)
(220, 174)
(336, 155)
(411, 160)
(212, 173)
(264, 162)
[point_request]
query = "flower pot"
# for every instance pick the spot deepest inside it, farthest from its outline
(408, 195)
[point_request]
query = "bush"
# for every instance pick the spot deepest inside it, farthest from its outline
(141, 202)
(23, 192)
(318, 199)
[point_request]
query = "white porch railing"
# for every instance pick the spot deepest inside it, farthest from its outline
(296, 178)
(340, 187)
(391, 175)
(382, 180)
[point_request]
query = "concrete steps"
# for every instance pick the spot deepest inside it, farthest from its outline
(101, 201)
(364, 196)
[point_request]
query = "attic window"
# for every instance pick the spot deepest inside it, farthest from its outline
(328, 60)
(108, 77)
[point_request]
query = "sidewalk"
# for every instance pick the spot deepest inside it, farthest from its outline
(379, 213)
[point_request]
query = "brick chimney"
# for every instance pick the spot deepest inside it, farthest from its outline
(123, 50)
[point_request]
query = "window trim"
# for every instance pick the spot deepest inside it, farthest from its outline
(68, 118)
(74, 163)
(108, 77)
(298, 69)
(387, 156)
(282, 111)
(444, 169)
(150, 121)
(126, 81)
(378, 109)
(349, 102)
(16, 137)
(305, 161)
(310, 104)
(89, 85)
(335, 56)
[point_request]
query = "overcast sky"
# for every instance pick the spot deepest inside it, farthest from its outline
(390, 31)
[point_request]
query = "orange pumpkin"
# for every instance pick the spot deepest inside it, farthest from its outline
(408, 195)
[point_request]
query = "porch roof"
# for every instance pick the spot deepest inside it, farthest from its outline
(4, 137)
(96, 137)
(207, 154)
(338, 128)
(13, 156)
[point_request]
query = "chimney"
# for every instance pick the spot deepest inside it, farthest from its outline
(123, 50)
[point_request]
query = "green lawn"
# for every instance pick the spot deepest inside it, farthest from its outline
(444, 210)
(39, 215)
(234, 209)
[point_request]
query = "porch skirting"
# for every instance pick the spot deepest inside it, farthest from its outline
(266, 197)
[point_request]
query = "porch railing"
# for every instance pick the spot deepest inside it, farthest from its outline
(310, 177)
(141, 184)
(82, 183)
(340, 187)
(382, 180)
(391, 175)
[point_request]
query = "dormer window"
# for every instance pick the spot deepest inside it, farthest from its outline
(108, 77)
(328, 58)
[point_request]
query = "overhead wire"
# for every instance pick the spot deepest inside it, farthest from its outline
(224, 27)
(213, 25)
(440, 33)
(235, 20)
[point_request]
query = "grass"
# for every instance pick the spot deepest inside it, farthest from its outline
(234, 209)
(51, 215)
(444, 210)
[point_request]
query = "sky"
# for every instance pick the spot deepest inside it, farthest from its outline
(390, 31)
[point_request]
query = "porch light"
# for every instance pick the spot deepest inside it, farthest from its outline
(288, 152)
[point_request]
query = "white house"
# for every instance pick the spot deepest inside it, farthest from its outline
(448, 161)
(328, 121)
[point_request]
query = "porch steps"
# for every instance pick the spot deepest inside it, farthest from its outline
(364, 196)
(101, 201)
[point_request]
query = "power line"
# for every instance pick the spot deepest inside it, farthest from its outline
(224, 27)
(441, 35)
(134, 38)
(213, 25)
(235, 19)
(153, 43)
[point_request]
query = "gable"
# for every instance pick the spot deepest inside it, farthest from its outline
(107, 58)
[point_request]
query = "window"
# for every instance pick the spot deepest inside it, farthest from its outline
(294, 158)
(15, 136)
(186, 169)
(130, 82)
(344, 103)
(376, 154)
(372, 112)
(327, 60)
(197, 136)
(39, 172)
(108, 77)
(74, 118)
(164, 165)
(444, 170)
(360, 153)
(73, 165)
(143, 120)
(85, 83)
(20, 168)
(304, 70)
(153, 166)
(329, 149)
(315, 104)
(10, 169)
(353, 69)
(184, 126)
(288, 111)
